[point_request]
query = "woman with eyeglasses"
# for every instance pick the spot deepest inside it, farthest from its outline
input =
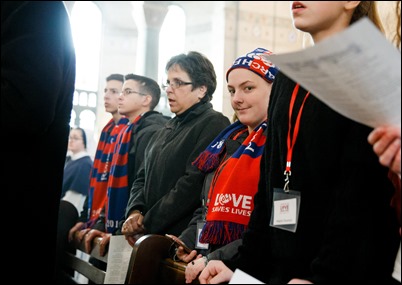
(77, 170)
(166, 192)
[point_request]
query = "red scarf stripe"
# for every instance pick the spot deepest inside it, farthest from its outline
(231, 194)
(103, 159)
(117, 188)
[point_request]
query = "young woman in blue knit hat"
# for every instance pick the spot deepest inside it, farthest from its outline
(231, 162)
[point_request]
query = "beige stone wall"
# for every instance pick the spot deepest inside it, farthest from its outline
(387, 11)
(222, 30)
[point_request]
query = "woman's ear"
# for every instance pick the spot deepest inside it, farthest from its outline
(352, 4)
(202, 92)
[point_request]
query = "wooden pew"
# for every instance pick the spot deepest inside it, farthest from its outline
(72, 262)
(149, 263)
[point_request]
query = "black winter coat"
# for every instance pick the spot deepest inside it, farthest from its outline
(168, 187)
(347, 232)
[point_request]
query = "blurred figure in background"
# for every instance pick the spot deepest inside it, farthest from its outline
(77, 170)
(93, 213)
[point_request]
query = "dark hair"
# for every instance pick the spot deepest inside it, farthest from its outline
(147, 86)
(84, 136)
(199, 68)
(116, 76)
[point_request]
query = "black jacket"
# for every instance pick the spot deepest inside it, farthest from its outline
(141, 135)
(347, 232)
(167, 189)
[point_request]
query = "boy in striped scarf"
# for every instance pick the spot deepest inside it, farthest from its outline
(136, 103)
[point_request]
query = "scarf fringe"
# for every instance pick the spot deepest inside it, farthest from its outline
(221, 232)
(206, 161)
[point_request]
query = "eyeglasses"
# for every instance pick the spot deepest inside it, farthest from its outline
(175, 84)
(74, 139)
(129, 91)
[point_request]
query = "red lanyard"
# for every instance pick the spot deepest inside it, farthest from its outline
(292, 142)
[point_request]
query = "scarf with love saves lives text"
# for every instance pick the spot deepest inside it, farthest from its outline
(231, 194)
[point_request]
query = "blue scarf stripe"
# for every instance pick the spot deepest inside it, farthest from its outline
(115, 214)
(117, 185)
(208, 160)
(119, 170)
(246, 150)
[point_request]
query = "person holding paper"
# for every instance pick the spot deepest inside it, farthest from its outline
(322, 212)
(386, 141)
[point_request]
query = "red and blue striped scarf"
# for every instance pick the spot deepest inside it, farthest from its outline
(100, 172)
(117, 187)
(235, 182)
(209, 159)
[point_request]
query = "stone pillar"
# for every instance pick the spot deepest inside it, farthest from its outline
(149, 17)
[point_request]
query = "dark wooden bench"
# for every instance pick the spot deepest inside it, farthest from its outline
(150, 263)
(72, 262)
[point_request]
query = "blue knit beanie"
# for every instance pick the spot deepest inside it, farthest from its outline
(256, 63)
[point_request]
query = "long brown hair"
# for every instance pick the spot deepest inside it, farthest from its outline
(397, 37)
(368, 9)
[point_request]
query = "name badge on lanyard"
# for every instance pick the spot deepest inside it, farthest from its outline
(286, 202)
(285, 209)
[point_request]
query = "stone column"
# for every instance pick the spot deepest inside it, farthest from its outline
(149, 17)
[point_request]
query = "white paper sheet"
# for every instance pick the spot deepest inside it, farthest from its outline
(241, 277)
(118, 259)
(356, 72)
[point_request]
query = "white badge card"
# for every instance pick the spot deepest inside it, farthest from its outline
(198, 244)
(285, 209)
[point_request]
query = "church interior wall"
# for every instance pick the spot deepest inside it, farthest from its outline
(222, 30)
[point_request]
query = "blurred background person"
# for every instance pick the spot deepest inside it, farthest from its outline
(77, 170)
(93, 210)
(93, 213)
